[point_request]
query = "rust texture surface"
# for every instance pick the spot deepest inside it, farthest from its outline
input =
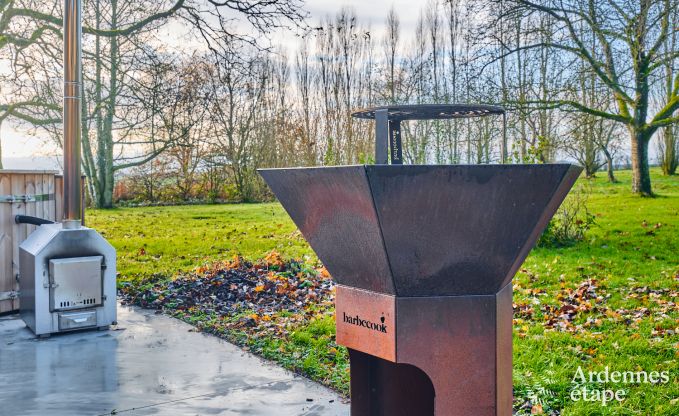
(333, 209)
(459, 230)
(503, 345)
(434, 230)
(453, 355)
(424, 257)
(461, 343)
(366, 321)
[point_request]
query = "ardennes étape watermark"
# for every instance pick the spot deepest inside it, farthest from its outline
(581, 390)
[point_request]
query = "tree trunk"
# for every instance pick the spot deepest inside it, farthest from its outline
(609, 165)
(668, 151)
(107, 191)
(99, 166)
(609, 171)
(589, 171)
(641, 177)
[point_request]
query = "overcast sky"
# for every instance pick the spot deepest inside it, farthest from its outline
(15, 144)
(372, 11)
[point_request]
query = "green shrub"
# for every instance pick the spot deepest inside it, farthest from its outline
(571, 221)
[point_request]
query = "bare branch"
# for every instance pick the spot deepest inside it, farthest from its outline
(575, 105)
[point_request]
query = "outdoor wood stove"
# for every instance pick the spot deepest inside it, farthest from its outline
(424, 256)
(67, 272)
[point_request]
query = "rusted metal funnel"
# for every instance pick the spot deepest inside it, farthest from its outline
(412, 230)
(424, 257)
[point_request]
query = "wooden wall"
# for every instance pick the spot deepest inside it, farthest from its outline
(45, 187)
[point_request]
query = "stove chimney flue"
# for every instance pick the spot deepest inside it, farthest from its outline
(72, 113)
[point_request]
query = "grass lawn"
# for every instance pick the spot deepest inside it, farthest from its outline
(607, 301)
(168, 240)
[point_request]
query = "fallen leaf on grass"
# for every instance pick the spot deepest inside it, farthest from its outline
(536, 410)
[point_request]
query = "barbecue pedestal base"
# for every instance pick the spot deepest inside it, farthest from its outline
(440, 355)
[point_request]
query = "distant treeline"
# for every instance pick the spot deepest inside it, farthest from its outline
(174, 124)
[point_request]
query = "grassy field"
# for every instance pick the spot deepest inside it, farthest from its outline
(169, 240)
(607, 301)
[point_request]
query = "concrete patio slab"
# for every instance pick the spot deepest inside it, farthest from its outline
(151, 365)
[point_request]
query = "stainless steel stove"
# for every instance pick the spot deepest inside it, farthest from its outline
(68, 280)
(67, 272)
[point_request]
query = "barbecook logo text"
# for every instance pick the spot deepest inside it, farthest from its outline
(358, 321)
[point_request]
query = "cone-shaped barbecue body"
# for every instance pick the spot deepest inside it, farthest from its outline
(424, 257)
(432, 230)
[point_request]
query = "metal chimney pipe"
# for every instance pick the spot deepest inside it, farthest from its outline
(72, 113)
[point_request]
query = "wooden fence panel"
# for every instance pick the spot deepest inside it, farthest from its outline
(6, 279)
(26, 193)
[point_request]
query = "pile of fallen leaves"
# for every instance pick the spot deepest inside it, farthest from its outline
(268, 296)
(583, 299)
(586, 307)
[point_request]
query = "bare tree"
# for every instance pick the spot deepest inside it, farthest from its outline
(117, 33)
(185, 125)
(668, 142)
(239, 89)
(629, 38)
(391, 45)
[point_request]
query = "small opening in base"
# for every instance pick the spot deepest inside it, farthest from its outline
(381, 388)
